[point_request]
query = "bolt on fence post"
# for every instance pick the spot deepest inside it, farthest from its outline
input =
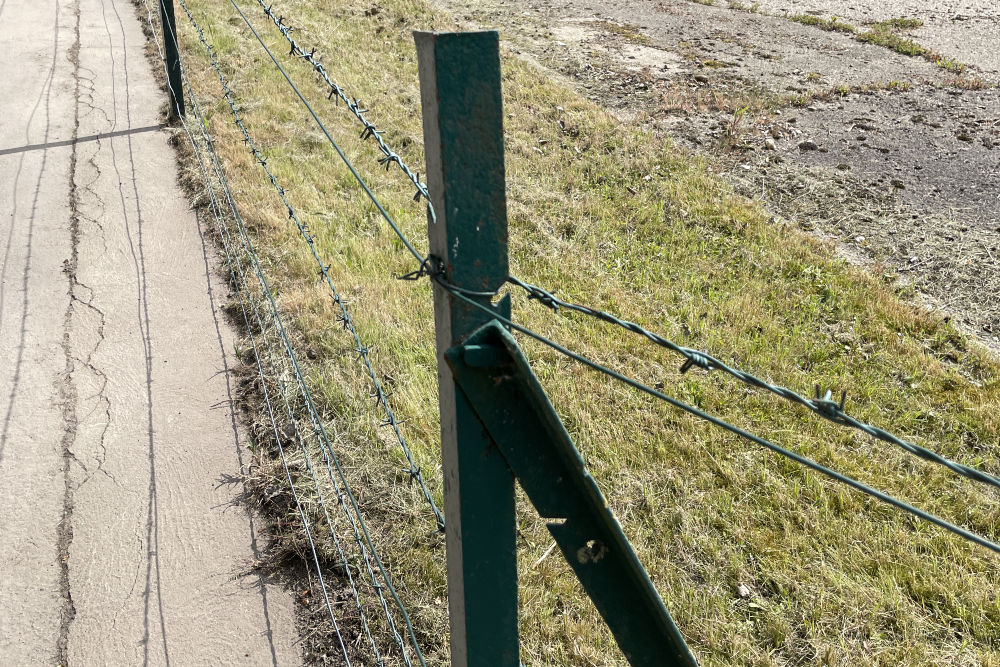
(463, 142)
(173, 58)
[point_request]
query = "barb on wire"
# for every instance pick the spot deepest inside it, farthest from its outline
(312, 112)
(822, 404)
(342, 488)
(344, 316)
(712, 419)
(353, 104)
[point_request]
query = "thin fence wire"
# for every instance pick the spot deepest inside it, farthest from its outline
(712, 419)
(353, 513)
(824, 406)
(378, 391)
(235, 267)
(378, 583)
(354, 106)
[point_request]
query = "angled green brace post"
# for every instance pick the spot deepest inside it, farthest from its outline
(498, 383)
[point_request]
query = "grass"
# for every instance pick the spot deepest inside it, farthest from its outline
(881, 34)
(630, 33)
(830, 25)
(900, 23)
(744, 7)
(613, 217)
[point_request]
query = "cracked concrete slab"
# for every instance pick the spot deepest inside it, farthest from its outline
(121, 538)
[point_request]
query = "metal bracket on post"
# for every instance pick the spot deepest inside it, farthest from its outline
(463, 142)
(173, 59)
(499, 385)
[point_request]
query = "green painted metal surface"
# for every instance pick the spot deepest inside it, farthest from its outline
(175, 89)
(512, 407)
(463, 135)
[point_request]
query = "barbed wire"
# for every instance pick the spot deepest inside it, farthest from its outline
(354, 106)
(312, 112)
(342, 488)
(266, 394)
(413, 470)
(822, 405)
(363, 351)
(809, 463)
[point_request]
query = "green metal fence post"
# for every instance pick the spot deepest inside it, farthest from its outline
(173, 58)
(463, 140)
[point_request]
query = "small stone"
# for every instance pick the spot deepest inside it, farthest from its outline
(810, 108)
(743, 591)
(769, 144)
(701, 78)
(859, 239)
(843, 166)
(808, 145)
(898, 184)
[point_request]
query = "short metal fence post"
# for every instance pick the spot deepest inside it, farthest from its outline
(173, 58)
(463, 133)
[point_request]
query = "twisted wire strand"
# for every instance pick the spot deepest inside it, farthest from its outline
(798, 458)
(266, 394)
(824, 406)
(342, 488)
(234, 261)
(312, 112)
(354, 106)
(382, 398)
(237, 269)
(367, 551)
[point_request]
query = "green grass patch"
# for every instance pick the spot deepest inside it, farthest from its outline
(610, 215)
(883, 37)
(900, 23)
(831, 24)
(881, 34)
(630, 33)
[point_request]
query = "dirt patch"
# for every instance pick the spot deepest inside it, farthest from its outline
(893, 157)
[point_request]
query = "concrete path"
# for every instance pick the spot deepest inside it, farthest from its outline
(120, 541)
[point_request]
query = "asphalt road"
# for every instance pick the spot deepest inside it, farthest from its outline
(120, 539)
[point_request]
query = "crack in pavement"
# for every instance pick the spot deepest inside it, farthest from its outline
(67, 388)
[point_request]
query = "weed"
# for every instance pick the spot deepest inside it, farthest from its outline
(883, 37)
(831, 25)
(967, 83)
(744, 7)
(630, 33)
(899, 24)
(732, 135)
(881, 34)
